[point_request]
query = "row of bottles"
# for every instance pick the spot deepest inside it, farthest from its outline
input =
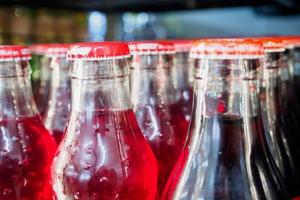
(169, 120)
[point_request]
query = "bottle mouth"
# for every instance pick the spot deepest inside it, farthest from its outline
(228, 69)
(152, 62)
(101, 69)
(14, 68)
(273, 60)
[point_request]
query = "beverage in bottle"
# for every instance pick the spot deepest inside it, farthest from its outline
(226, 154)
(296, 67)
(182, 78)
(280, 142)
(155, 106)
(103, 154)
(26, 147)
(59, 105)
(42, 75)
(290, 106)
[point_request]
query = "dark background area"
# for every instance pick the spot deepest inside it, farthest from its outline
(32, 21)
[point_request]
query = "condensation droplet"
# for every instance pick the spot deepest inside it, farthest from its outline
(89, 150)
(148, 123)
(87, 166)
(127, 147)
(125, 162)
(3, 153)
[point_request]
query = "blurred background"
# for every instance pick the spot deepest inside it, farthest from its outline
(44, 21)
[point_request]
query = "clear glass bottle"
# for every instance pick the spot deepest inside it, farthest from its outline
(154, 102)
(59, 105)
(103, 154)
(226, 154)
(290, 106)
(26, 147)
(296, 68)
(41, 87)
(183, 79)
(282, 146)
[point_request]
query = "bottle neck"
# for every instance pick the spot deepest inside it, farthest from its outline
(15, 91)
(151, 80)
(182, 72)
(99, 85)
(296, 61)
(226, 88)
(60, 78)
(45, 69)
(285, 69)
(270, 90)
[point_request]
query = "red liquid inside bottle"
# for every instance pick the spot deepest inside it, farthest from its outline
(157, 112)
(26, 147)
(163, 128)
(27, 150)
(114, 159)
(103, 154)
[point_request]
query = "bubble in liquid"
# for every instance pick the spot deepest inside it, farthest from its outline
(27, 150)
(77, 195)
(95, 196)
(103, 179)
(6, 191)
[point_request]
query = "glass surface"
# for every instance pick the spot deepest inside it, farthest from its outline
(103, 154)
(226, 154)
(157, 112)
(26, 147)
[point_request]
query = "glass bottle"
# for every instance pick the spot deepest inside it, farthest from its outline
(155, 107)
(59, 105)
(296, 67)
(103, 154)
(225, 156)
(41, 87)
(26, 147)
(183, 78)
(282, 146)
(290, 106)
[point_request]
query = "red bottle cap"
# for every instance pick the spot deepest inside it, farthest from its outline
(57, 50)
(14, 53)
(151, 47)
(271, 44)
(38, 49)
(227, 49)
(291, 41)
(182, 45)
(98, 51)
